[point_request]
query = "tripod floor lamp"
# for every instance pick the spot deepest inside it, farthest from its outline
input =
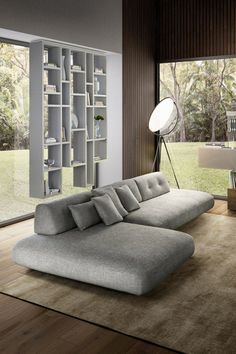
(164, 121)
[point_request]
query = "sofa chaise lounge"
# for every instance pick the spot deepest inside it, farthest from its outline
(134, 255)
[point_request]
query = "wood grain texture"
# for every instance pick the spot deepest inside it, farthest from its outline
(139, 85)
(196, 29)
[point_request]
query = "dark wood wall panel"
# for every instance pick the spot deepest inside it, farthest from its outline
(139, 85)
(196, 28)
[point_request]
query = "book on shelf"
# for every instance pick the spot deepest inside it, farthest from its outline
(51, 65)
(99, 103)
(98, 71)
(88, 99)
(76, 67)
(50, 88)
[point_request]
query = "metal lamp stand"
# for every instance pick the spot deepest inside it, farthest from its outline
(160, 140)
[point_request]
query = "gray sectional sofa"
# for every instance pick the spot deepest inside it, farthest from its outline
(134, 255)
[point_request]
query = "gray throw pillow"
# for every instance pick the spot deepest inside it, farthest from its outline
(114, 197)
(127, 198)
(85, 215)
(107, 210)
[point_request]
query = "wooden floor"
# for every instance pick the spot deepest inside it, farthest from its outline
(27, 328)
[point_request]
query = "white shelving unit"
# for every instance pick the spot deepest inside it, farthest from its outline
(67, 90)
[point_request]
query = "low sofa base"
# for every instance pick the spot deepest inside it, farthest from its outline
(125, 257)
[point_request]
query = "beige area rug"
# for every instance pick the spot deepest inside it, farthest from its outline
(193, 311)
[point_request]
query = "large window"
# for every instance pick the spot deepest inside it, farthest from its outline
(14, 135)
(203, 90)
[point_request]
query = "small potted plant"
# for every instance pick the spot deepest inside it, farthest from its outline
(97, 126)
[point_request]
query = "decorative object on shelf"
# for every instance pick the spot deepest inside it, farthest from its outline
(88, 99)
(96, 86)
(98, 71)
(50, 88)
(99, 103)
(97, 158)
(46, 187)
(45, 57)
(50, 140)
(97, 126)
(50, 65)
(76, 67)
(49, 163)
(63, 70)
(54, 191)
(63, 134)
(74, 121)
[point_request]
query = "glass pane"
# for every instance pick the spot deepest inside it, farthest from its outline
(203, 91)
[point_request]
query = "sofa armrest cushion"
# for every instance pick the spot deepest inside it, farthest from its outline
(107, 209)
(85, 215)
(127, 198)
(152, 185)
(55, 217)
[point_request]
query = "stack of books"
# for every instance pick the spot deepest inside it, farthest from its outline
(76, 67)
(51, 65)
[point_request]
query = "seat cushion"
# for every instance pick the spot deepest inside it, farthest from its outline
(152, 185)
(125, 257)
(172, 210)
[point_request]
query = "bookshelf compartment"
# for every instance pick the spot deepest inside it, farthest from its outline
(100, 152)
(62, 107)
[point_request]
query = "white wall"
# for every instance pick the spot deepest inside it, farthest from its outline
(111, 170)
(92, 23)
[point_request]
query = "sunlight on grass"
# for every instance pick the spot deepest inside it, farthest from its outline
(185, 161)
(14, 185)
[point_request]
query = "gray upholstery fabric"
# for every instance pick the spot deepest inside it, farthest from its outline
(85, 215)
(55, 217)
(131, 184)
(172, 210)
(114, 197)
(107, 210)
(127, 198)
(124, 257)
(152, 185)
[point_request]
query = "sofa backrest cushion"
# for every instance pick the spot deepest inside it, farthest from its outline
(55, 217)
(152, 185)
(131, 184)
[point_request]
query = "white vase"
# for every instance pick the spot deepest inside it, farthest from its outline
(97, 128)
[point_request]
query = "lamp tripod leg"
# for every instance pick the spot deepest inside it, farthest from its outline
(172, 168)
(158, 148)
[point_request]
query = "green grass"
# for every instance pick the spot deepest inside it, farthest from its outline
(14, 178)
(185, 160)
(14, 185)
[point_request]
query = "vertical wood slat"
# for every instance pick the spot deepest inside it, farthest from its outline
(196, 29)
(139, 84)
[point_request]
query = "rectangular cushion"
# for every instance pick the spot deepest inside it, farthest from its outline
(55, 217)
(131, 184)
(152, 185)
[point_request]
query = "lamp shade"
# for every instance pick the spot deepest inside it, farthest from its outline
(164, 117)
